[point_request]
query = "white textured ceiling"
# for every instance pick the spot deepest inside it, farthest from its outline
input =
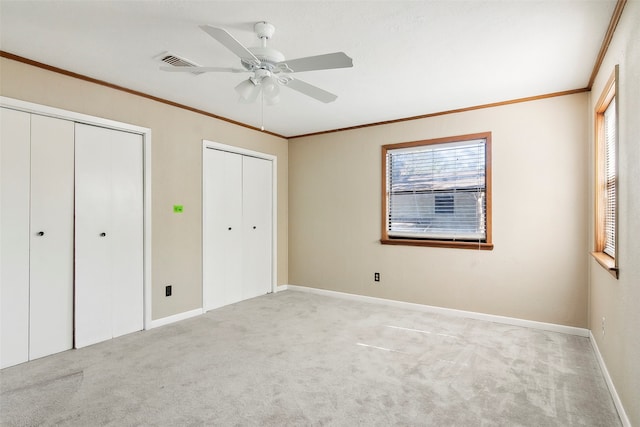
(410, 57)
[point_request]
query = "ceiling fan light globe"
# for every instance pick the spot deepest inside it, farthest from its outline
(270, 87)
(244, 89)
(272, 94)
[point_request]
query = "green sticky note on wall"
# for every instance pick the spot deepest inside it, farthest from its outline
(178, 208)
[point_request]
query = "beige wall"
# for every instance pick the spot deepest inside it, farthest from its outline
(538, 269)
(618, 300)
(177, 136)
(542, 206)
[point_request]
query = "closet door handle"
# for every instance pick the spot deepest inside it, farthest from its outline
(40, 233)
(103, 234)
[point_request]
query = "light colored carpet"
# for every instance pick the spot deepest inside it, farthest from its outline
(297, 359)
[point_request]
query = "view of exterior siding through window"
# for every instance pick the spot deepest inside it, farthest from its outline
(437, 191)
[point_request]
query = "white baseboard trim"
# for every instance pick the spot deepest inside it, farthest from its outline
(612, 388)
(571, 330)
(175, 318)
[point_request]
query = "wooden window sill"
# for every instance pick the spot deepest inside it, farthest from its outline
(439, 244)
(606, 262)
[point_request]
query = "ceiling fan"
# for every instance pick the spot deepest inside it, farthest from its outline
(268, 67)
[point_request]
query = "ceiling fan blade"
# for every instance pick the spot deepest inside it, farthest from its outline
(311, 90)
(319, 62)
(228, 41)
(202, 69)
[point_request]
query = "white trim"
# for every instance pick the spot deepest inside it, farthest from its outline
(445, 311)
(274, 207)
(44, 110)
(274, 224)
(612, 388)
(175, 318)
(237, 150)
(148, 308)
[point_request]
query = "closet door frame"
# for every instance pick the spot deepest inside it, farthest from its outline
(43, 110)
(206, 145)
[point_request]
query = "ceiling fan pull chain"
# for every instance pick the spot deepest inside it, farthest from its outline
(261, 109)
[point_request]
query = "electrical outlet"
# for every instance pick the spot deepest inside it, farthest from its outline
(376, 277)
(167, 291)
(603, 325)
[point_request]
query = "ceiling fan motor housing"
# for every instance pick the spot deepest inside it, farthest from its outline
(267, 56)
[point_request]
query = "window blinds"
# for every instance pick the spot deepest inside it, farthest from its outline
(437, 191)
(610, 175)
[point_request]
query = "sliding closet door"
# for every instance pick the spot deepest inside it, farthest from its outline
(93, 256)
(257, 226)
(127, 233)
(51, 231)
(223, 228)
(109, 290)
(14, 236)
(37, 236)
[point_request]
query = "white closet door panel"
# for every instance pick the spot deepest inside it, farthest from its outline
(213, 256)
(126, 232)
(232, 227)
(257, 226)
(14, 237)
(223, 221)
(51, 252)
(93, 294)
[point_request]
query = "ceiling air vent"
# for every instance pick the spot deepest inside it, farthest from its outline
(176, 61)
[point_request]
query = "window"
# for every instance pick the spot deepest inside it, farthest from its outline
(606, 136)
(438, 192)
